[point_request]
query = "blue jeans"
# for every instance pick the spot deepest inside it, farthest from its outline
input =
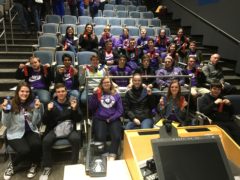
(58, 7)
(43, 95)
(23, 16)
(145, 124)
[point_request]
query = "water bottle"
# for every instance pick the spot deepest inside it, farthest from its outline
(8, 106)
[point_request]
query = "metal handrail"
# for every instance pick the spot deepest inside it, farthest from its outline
(11, 19)
(237, 41)
(3, 33)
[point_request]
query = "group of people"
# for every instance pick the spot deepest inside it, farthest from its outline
(106, 104)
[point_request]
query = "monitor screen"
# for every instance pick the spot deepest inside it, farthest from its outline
(194, 158)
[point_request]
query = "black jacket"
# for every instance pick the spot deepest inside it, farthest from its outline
(60, 113)
(102, 56)
(210, 109)
(138, 104)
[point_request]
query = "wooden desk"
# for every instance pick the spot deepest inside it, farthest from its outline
(116, 170)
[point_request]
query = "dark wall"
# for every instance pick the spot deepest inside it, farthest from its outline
(222, 13)
(212, 12)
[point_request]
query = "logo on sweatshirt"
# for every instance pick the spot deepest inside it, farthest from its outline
(107, 101)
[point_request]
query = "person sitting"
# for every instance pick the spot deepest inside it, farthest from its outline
(172, 107)
(106, 36)
(169, 70)
(60, 110)
(171, 51)
(88, 41)
(121, 70)
(213, 71)
(68, 75)
(95, 69)
(38, 76)
(69, 41)
(194, 52)
(145, 70)
(133, 54)
(107, 108)
(21, 116)
(197, 79)
(108, 55)
(162, 42)
(123, 41)
(153, 53)
(139, 103)
(143, 39)
(182, 43)
(219, 110)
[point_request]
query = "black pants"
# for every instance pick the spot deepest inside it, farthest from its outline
(28, 148)
(75, 140)
(114, 129)
(232, 129)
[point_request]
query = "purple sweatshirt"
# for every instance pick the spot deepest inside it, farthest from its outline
(171, 72)
(117, 71)
(108, 107)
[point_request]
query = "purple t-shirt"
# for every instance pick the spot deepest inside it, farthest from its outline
(193, 79)
(68, 80)
(116, 71)
(36, 80)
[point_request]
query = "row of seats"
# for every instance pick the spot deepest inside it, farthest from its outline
(98, 29)
(145, 19)
(55, 58)
(125, 8)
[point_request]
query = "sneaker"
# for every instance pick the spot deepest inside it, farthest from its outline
(32, 171)
(46, 172)
(111, 157)
(8, 172)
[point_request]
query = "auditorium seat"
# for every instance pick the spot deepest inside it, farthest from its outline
(51, 28)
(116, 30)
(83, 20)
(122, 14)
(83, 57)
(155, 22)
(131, 8)
(120, 7)
(46, 57)
(147, 15)
(114, 21)
(128, 22)
(68, 19)
(109, 13)
(133, 31)
(142, 8)
(100, 21)
(134, 14)
(142, 22)
(108, 7)
(99, 29)
(53, 19)
(80, 29)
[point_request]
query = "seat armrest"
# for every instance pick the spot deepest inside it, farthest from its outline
(201, 117)
(42, 128)
(78, 126)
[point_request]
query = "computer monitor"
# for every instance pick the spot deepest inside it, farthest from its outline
(193, 158)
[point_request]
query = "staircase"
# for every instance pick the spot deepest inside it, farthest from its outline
(21, 50)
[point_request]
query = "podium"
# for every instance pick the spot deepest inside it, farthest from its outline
(137, 145)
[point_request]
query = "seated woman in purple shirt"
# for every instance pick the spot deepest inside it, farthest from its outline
(106, 36)
(38, 76)
(107, 108)
(123, 41)
(143, 39)
(69, 41)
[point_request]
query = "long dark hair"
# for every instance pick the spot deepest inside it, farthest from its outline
(85, 29)
(16, 102)
(67, 35)
(169, 93)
